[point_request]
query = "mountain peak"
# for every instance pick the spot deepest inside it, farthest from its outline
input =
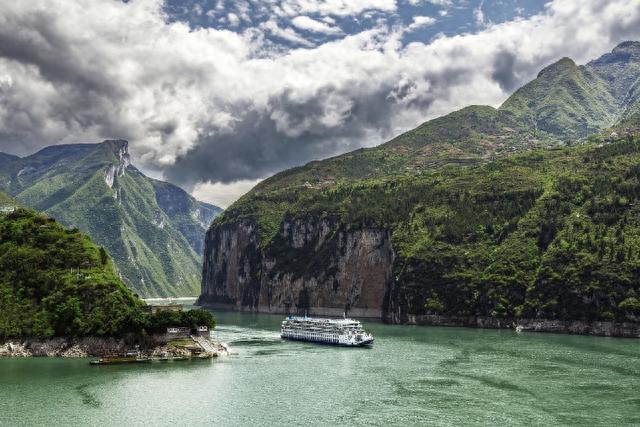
(120, 148)
(559, 67)
(627, 46)
(625, 52)
(118, 145)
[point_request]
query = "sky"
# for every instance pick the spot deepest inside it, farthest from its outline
(216, 95)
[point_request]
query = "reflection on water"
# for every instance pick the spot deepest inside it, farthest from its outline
(411, 376)
(88, 398)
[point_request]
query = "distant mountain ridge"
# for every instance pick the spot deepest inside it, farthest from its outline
(565, 103)
(153, 229)
(571, 101)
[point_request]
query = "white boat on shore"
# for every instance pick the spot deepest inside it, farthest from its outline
(344, 332)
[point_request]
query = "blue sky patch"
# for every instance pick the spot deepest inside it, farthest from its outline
(291, 23)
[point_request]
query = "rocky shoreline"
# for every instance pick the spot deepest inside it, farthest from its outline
(569, 327)
(96, 347)
(574, 327)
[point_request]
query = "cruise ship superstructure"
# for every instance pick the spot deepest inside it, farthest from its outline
(345, 332)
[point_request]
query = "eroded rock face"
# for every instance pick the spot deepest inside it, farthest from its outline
(124, 160)
(232, 260)
(313, 265)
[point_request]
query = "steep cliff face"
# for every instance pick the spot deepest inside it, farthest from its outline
(312, 265)
(231, 264)
(117, 169)
(190, 216)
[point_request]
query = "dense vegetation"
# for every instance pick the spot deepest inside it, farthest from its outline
(549, 234)
(55, 282)
(153, 230)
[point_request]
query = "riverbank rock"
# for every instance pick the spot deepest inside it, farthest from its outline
(74, 351)
(576, 327)
(154, 346)
(12, 349)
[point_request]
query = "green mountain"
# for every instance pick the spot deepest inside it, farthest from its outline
(565, 101)
(55, 281)
(564, 104)
(152, 229)
(539, 223)
(470, 136)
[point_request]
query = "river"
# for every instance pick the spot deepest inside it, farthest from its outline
(411, 376)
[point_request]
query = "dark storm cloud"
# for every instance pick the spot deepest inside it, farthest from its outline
(202, 105)
(504, 72)
(258, 145)
(85, 94)
(626, 29)
(38, 40)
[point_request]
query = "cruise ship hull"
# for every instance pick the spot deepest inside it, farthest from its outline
(364, 343)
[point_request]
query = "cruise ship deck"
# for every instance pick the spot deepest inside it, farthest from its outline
(345, 332)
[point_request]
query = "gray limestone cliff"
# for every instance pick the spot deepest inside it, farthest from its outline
(312, 265)
(320, 267)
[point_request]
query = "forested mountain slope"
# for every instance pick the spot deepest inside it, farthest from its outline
(153, 230)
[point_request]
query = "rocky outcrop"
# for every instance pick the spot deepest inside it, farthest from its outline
(62, 347)
(121, 151)
(312, 265)
(151, 346)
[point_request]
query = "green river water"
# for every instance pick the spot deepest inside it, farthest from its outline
(411, 376)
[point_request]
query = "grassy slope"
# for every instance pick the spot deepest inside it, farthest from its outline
(565, 100)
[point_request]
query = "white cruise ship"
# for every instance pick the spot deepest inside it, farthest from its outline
(346, 332)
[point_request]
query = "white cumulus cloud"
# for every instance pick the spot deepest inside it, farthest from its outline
(216, 110)
(421, 21)
(310, 24)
